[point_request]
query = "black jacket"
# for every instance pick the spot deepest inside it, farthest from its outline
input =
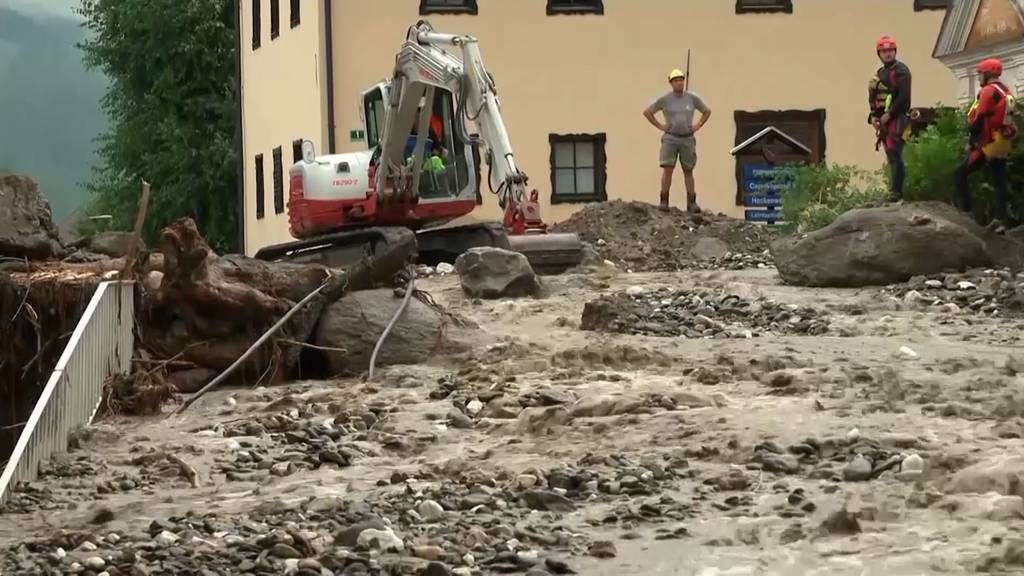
(896, 77)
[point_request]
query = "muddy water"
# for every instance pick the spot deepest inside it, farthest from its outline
(741, 499)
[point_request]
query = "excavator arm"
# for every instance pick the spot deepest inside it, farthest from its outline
(424, 66)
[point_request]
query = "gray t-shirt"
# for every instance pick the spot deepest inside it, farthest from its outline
(678, 110)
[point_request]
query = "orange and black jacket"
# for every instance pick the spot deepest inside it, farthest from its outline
(985, 119)
(896, 77)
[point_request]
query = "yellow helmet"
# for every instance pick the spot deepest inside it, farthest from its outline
(677, 73)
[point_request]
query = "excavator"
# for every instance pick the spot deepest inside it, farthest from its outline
(421, 170)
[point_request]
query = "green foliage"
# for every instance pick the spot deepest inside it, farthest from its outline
(821, 192)
(171, 105)
(933, 155)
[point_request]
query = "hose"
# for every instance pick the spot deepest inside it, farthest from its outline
(410, 287)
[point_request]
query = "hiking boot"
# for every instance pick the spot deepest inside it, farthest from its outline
(691, 205)
(663, 206)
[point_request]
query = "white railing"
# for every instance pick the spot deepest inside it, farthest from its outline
(101, 345)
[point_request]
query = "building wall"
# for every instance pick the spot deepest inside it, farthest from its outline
(283, 99)
(565, 74)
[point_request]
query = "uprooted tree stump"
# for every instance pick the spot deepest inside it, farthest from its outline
(209, 309)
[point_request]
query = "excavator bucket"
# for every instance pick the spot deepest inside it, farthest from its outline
(549, 253)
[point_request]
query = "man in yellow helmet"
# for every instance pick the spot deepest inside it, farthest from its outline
(677, 140)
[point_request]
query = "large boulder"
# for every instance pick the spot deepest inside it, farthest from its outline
(355, 322)
(26, 225)
(889, 244)
(488, 272)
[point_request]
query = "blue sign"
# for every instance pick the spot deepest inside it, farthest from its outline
(763, 186)
(769, 216)
(773, 200)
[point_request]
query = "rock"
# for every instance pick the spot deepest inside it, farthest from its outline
(436, 569)
(26, 223)
(427, 552)
(430, 511)
(692, 399)
(95, 563)
(384, 540)
(840, 522)
(350, 536)
(990, 506)
(857, 470)
(489, 272)
(112, 244)
(1001, 474)
(890, 244)
(191, 380)
(602, 549)
(355, 322)
(547, 500)
(597, 406)
(709, 248)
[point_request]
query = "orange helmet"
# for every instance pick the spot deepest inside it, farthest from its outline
(991, 67)
(885, 43)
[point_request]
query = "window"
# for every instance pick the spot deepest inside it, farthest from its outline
(763, 6)
(575, 7)
(275, 18)
(296, 150)
(920, 5)
(448, 7)
(294, 13)
(278, 182)
(578, 171)
(259, 187)
(256, 14)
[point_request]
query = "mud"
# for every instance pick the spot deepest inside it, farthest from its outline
(886, 444)
(638, 237)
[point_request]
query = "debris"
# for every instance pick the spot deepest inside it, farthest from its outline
(638, 236)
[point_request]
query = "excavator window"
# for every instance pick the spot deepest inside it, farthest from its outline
(373, 105)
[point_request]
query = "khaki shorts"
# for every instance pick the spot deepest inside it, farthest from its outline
(678, 148)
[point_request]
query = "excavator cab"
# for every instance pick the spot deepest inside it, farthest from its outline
(444, 159)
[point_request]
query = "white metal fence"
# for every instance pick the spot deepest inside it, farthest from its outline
(101, 345)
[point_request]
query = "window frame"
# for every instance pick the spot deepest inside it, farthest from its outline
(278, 180)
(595, 7)
(294, 12)
(296, 150)
(275, 19)
(257, 24)
(467, 7)
(261, 204)
(784, 7)
(922, 5)
(600, 141)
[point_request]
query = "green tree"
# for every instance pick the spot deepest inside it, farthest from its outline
(171, 105)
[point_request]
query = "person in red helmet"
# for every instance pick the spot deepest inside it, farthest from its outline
(991, 131)
(895, 77)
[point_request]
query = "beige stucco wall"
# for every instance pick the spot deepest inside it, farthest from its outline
(596, 73)
(282, 100)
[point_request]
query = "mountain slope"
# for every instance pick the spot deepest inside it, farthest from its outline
(49, 105)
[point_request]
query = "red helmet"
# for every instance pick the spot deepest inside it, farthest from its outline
(991, 67)
(885, 43)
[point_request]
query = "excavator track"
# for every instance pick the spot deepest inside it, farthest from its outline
(388, 249)
(385, 249)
